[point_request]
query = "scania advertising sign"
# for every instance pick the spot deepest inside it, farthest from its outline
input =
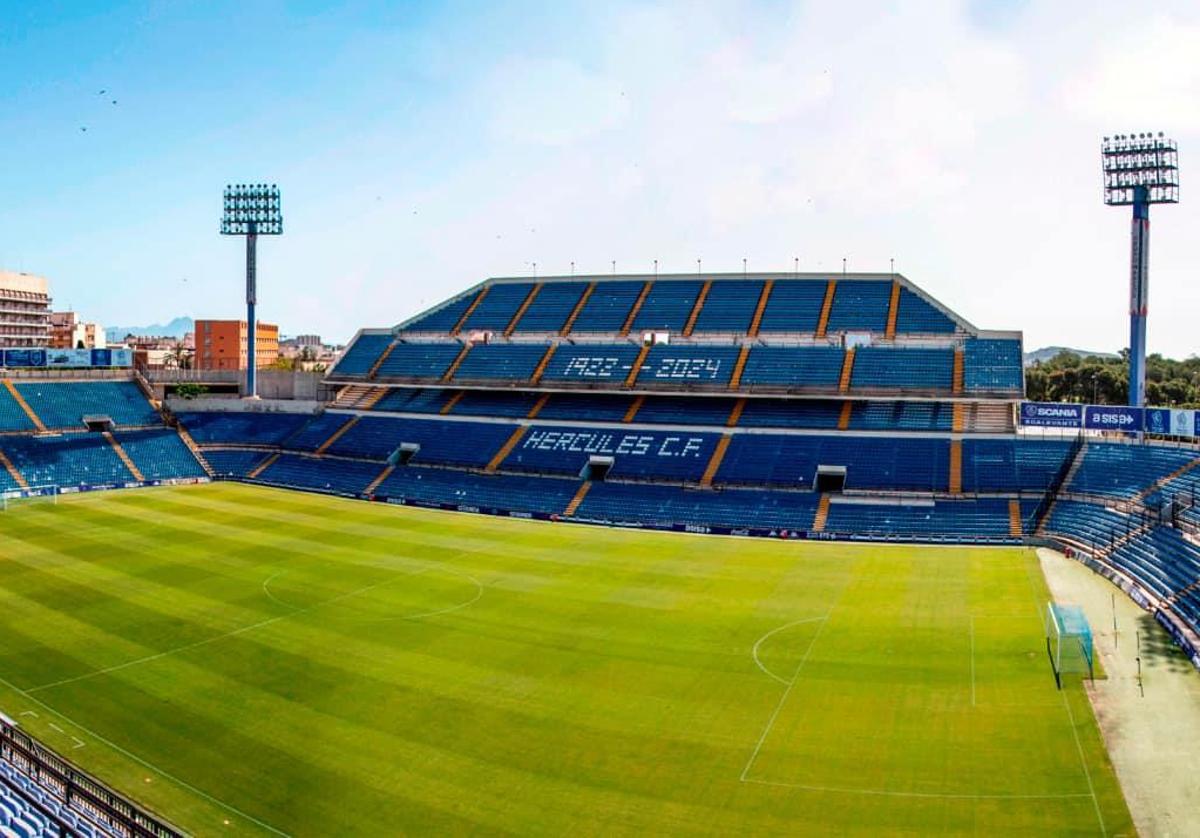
(1112, 418)
(1051, 415)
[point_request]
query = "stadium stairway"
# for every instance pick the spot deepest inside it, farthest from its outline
(125, 458)
(1070, 475)
(577, 499)
(195, 449)
(263, 466)
(24, 405)
(338, 434)
(383, 475)
(16, 476)
(1015, 527)
(822, 515)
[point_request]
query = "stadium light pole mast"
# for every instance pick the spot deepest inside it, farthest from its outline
(1139, 170)
(251, 210)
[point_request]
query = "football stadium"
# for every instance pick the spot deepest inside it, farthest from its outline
(622, 554)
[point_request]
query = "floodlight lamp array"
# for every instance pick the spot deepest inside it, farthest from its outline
(1140, 167)
(252, 208)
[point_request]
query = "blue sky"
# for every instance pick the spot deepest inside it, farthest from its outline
(421, 147)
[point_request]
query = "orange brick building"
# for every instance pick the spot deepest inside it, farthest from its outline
(221, 345)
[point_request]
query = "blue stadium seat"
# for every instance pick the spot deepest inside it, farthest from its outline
(500, 362)
(814, 414)
(592, 363)
(159, 454)
(668, 305)
(316, 431)
(916, 315)
(794, 367)
(729, 306)
(62, 405)
(629, 502)
(660, 455)
(495, 403)
(683, 410)
(901, 416)
(860, 306)
(1006, 465)
(419, 360)
(12, 417)
(362, 354)
(246, 428)
(414, 400)
(903, 369)
(444, 317)
(586, 407)
(870, 462)
(234, 462)
(794, 306)
(993, 365)
(75, 459)
(514, 493)
(498, 307)
(441, 441)
(984, 518)
(344, 477)
(551, 307)
(608, 307)
(688, 365)
(1121, 470)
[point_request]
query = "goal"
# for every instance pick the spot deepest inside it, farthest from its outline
(1069, 642)
(29, 495)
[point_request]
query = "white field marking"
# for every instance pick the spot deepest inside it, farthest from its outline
(1086, 772)
(932, 794)
(972, 660)
(145, 764)
(771, 633)
(79, 743)
(267, 590)
(29, 713)
(56, 727)
(783, 698)
(207, 641)
(1037, 607)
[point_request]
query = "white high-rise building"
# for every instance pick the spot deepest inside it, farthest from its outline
(24, 310)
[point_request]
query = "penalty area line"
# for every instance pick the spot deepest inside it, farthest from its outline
(929, 794)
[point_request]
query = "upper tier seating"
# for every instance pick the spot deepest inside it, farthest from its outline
(667, 306)
(871, 462)
(808, 366)
(500, 361)
(440, 441)
(783, 413)
(76, 459)
(637, 454)
(64, 404)
(245, 428)
(551, 307)
(444, 318)
(917, 316)
(12, 417)
(498, 306)
(419, 360)
(362, 354)
(607, 309)
(159, 454)
(860, 306)
(675, 505)
(683, 410)
(904, 369)
(1090, 523)
(1121, 470)
(992, 365)
(1006, 465)
(794, 306)
(729, 306)
(598, 363)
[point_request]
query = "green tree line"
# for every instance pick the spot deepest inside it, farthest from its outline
(1068, 377)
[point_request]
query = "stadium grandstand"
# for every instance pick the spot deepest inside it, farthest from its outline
(793, 406)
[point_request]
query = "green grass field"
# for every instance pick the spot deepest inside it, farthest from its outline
(247, 660)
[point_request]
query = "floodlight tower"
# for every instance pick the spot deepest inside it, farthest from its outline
(251, 210)
(1139, 170)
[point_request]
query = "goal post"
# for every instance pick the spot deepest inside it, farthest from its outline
(1069, 642)
(29, 495)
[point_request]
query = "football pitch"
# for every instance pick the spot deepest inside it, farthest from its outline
(254, 661)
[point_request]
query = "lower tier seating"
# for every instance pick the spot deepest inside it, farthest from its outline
(1121, 470)
(986, 517)
(246, 428)
(234, 462)
(159, 454)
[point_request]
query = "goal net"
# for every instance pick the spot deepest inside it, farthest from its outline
(1069, 641)
(30, 495)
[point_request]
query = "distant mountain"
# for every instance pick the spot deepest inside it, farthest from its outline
(1045, 354)
(177, 328)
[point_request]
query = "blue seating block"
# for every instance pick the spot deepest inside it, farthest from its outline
(498, 306)
(794, 367)
(500, 361)
(668, 305)
(729, 306)
(362, 354)
(993, 365)
(551, 307)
